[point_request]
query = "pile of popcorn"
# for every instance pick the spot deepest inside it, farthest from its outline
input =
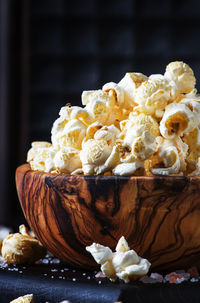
(140, 126)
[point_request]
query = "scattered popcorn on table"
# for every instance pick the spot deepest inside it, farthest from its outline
(24, 299)
(123, 263)
(20, 248)
(139, 126)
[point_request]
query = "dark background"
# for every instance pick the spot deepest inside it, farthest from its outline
(52, 50)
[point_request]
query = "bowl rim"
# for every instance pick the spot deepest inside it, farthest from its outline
(27, 169)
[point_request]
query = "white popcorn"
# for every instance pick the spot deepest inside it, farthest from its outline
(122, 245)
(70, 134)
(93, 95)
(138, 133)
(135, 270)
(100, 106)
(108, 270)
(130, 82)
(42, 159)
(127, 169)
(108, 133)
(100, 253)
(93, 153)
(170, 159)
(34, 149)
(123, 259)
(153, 95)
(124, 263)
(194, 106)
(111, 86)
(67, 160)
(177, 120)
(182, 75)
(110, 162)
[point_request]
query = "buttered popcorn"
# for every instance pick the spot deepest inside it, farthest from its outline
(139, 126)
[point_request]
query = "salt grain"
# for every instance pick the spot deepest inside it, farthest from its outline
(54, 270)
(157, 277)
(147, 279)
(55, 261)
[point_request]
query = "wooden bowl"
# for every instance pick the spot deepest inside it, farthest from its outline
(159, 216)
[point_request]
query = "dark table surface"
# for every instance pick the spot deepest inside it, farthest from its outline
(52, 281)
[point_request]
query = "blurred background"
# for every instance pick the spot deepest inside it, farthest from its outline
(52, 50)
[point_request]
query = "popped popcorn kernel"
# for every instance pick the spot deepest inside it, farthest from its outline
(21, 248)
(124, 263)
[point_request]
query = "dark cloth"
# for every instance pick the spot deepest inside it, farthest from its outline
(56, 282)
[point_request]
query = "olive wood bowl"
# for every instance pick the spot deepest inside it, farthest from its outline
(158, 216)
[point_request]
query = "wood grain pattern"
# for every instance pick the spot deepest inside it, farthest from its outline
(159, 216)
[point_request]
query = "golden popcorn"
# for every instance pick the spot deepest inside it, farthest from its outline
(138, 126)
(21, 248)
(24, 299)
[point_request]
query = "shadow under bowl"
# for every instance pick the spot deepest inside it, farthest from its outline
(158, 216)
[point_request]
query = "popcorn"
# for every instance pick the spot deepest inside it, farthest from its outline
(94, 152)
(182, 75)
(168, 152)
(193, 143)
(119, 92)
(41, 156)
(127, 169)
(124, 263)
(34, 150)
(67, 160)
(139, 126)
(129, 84)
(177, 120)
(99, 106)
(111, 161)
(20, 248)
(24, 299)
(68, 134)
(152, 95)
(138, 133)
